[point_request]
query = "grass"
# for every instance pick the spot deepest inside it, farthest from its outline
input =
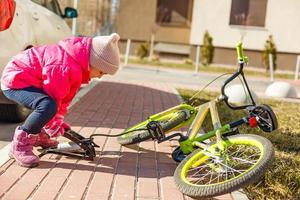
(211, 68)
(282, 180)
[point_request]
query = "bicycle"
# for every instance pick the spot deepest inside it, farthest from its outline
(208, 169)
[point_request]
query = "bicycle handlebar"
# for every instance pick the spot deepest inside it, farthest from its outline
(242, 60)
(239, 50)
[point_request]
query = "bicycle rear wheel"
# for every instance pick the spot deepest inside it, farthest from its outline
(167, 123)
(205, 174)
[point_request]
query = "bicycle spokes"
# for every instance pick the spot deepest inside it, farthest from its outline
(213, 169)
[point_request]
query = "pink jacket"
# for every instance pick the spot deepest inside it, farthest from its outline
(58, 69)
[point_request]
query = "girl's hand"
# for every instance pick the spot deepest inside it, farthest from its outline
(60, 120)
(56, 127)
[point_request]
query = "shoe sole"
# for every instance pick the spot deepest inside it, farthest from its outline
(21, 164)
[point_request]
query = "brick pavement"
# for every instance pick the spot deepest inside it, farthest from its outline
(142, 172)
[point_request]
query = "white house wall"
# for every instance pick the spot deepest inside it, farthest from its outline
(282, 21)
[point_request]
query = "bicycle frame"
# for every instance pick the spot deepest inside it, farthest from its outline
(187, 146)
(190, 111)
(193, 140)
(196, 116)
(212, 167)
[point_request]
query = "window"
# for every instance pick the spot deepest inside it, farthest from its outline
(50, 5)
(248, 12)
(174, 12)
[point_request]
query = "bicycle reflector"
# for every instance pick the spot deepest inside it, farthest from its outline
(252, 122)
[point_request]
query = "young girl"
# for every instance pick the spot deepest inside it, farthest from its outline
(46, 79)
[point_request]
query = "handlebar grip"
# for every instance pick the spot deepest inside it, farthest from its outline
(239, 50)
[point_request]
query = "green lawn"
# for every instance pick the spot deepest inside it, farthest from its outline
(212, 68)
(282, 181)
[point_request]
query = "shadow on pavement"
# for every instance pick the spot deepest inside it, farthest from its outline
(114, 162)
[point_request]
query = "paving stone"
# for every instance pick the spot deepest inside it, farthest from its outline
(142, 171)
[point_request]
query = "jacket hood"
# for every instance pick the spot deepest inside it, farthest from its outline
(79, 49)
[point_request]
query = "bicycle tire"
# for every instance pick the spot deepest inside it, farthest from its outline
(190, 188)
(139, 136)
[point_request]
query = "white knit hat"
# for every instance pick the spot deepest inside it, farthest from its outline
(104, 54)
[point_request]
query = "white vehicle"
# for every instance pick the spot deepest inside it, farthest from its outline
(35, 22)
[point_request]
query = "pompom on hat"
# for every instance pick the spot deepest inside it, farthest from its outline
(104, 54)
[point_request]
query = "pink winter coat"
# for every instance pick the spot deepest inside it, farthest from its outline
(58, 69)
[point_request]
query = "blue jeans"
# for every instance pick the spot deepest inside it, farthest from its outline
(43, 106)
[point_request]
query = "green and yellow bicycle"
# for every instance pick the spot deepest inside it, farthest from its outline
(229, 160)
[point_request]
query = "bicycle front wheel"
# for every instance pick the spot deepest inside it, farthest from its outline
(207, 173)
(167, 123)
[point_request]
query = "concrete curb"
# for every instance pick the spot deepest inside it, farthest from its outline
(4, 155)
(180, 99)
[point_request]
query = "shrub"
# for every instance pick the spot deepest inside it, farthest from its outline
(143, 50)
(207, 49)
(187, 61)
(270, 48)
(155, 58)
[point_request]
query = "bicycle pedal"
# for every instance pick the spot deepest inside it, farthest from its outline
(178, 155)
